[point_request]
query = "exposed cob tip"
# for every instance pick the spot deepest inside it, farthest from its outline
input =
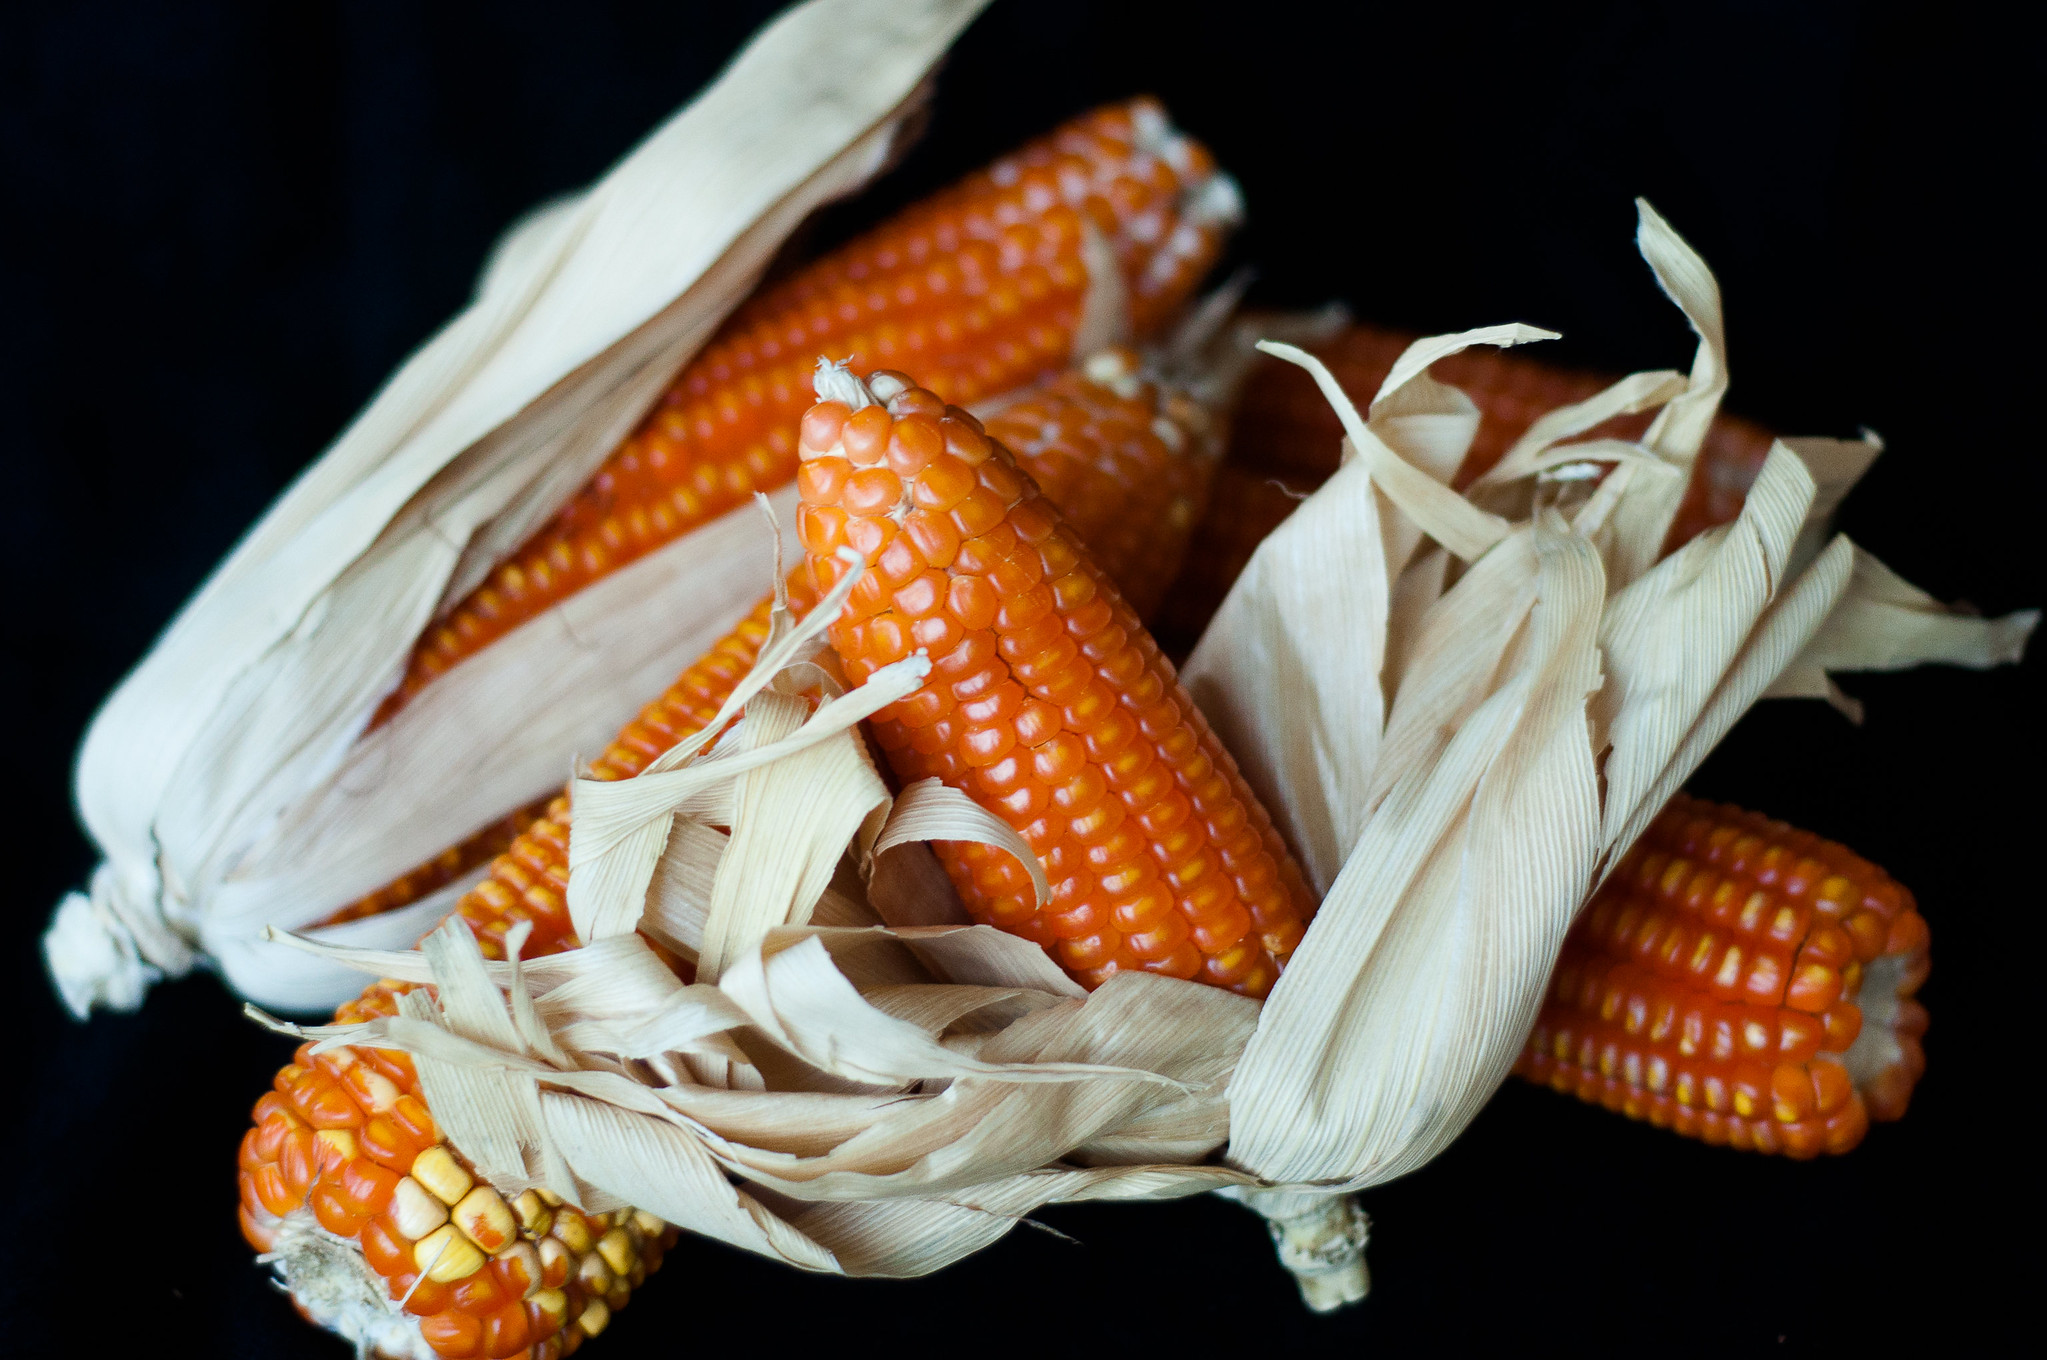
(333, 1287)
(835, 380)
(1210, 197)
(1740, 982)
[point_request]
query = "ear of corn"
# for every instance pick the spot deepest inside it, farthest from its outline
(984, 284)
(1048, 702)
(1740, 982)
(1129, 453)
(1286, 441)
(981, 286)
(1133, 457)
(344, 1142)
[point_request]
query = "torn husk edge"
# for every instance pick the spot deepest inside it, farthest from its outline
(228, 781)
(1462, 708)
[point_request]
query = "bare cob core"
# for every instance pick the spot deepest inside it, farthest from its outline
(1048, 701)
(982, 286)
(1740, 982)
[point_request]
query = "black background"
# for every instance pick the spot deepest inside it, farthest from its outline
(226, 223)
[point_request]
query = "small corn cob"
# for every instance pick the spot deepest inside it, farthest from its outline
(1287, 437)
(1132, 457)
(1740, 982)
(981, 286)
(1048, 702)
(344, 1142)
(1107, 421)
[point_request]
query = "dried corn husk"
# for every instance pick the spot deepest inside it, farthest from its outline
(1462, 709)
(228, 781)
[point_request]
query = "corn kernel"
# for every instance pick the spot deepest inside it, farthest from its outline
(375, 1091)
(446, 1256)
(438, 1171)
(414, 1210)
(522, 1267)
(617, 1250)
(556, 1261)
(594, 1275)
(485, 1219)
(596, 1317)
(334, 1149)
(574, 1232)
(535, 1218)
(552, 1303)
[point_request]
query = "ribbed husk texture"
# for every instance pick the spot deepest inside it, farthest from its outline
(1461, 708)
(231, 782)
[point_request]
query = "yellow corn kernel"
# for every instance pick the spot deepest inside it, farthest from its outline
(574, 1232)
(617, 1250)
(414, 1210)
(534, 1215)
(438, 1171)
(552, 1303)
(446, 1256)
(485, 1219)
(594, 1275)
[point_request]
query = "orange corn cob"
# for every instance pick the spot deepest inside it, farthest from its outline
(982, 283)
(1048, 702)
(1742, 983)
(346, 1143)
(981, 286)
(1286, 436)
(1117, 423)
(1131, 459)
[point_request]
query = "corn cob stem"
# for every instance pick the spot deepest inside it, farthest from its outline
(1048, 702)
(1740, 982)
(1320, 1239)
